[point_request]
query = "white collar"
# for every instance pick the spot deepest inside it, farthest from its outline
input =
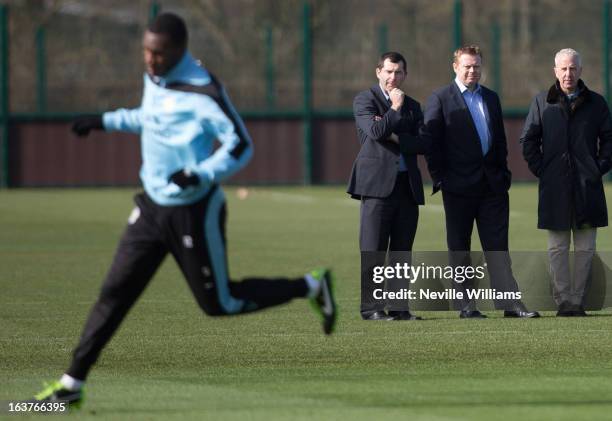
(463, 88)
(385, 94)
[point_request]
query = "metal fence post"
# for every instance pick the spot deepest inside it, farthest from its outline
(457, 24)
(307, 93)
(41, 70)
(496, 58)
(153, 11)
(606, 49)
(270, 88)
(383, 38)
(4, 93)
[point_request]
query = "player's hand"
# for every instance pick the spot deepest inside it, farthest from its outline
(184, 178)
(397, 98)
(83, 125)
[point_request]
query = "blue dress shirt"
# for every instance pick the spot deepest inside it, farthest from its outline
(479, 112)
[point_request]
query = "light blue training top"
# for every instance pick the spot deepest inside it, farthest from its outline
(180, 116)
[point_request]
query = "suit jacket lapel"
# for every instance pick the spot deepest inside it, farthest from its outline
(380, 98)
(467, 116)
(489, 103)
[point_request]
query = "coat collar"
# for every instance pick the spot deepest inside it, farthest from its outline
(555, 95)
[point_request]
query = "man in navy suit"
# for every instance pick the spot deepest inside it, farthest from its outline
(464, 123)
(385, 176)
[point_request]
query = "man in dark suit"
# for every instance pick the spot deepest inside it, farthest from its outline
(385, 176)
(464, 123)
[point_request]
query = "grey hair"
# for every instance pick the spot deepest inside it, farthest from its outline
(568, 52)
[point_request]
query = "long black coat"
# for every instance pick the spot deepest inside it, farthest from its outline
(569, 147)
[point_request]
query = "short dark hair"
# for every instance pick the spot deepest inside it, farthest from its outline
(171, 25)
(393, 57)
(471, 50)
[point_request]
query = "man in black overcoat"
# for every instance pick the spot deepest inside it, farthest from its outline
(567, 143)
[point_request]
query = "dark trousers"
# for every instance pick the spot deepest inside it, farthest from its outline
(388, 223)
(195, 236)
(491, 213)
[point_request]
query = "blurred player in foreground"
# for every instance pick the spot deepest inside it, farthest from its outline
(182, 209)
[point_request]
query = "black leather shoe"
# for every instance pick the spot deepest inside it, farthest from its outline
(521, 314)
(376, 315)
(471, 314)
(404, 315)
(565, 310)
(579, 312)
(565, 313)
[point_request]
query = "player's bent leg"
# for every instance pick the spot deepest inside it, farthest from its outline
(259, 293)
(198, 245)
(253, 294)
(263, 293)
(317, 286)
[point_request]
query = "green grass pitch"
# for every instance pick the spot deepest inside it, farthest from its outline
(169, 361)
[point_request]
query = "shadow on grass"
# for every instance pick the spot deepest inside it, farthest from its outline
(352, 404)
